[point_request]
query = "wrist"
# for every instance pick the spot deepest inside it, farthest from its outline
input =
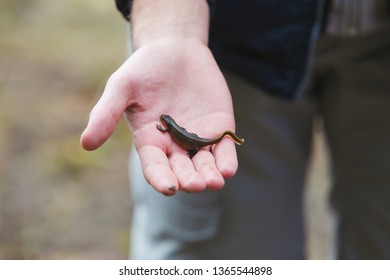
(174, 20)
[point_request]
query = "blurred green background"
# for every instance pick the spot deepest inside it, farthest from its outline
(56, 200)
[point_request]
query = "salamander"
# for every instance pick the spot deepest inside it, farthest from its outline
(191, 141)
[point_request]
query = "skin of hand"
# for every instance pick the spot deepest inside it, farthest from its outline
(183, 80)
(171, 72)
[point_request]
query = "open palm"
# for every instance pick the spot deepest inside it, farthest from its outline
(180, 79)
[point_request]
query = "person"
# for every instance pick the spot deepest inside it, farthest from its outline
(280, 63)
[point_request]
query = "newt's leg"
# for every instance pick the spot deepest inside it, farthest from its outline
(159, 127)
(193, 152)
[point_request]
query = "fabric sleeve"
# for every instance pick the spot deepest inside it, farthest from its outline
(124, 6)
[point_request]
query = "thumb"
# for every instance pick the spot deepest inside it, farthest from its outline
(106, 114)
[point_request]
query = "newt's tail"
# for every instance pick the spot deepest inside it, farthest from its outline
(236, 139)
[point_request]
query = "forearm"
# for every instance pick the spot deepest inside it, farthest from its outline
(156, 20)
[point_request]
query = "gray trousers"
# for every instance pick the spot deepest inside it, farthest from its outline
(259, 213)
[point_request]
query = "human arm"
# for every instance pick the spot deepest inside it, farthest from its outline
(173, 72)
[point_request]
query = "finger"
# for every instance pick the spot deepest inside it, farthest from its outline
(157, 170)
(189, 179)
(204, 163)
(106, 114)
(226, 157)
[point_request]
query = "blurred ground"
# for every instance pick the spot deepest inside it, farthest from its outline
(57, 201)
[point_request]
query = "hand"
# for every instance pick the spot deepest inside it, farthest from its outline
(180, 79)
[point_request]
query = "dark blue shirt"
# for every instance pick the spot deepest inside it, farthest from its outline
(270, 43)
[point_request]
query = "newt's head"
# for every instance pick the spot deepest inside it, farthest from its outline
(166, 119)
